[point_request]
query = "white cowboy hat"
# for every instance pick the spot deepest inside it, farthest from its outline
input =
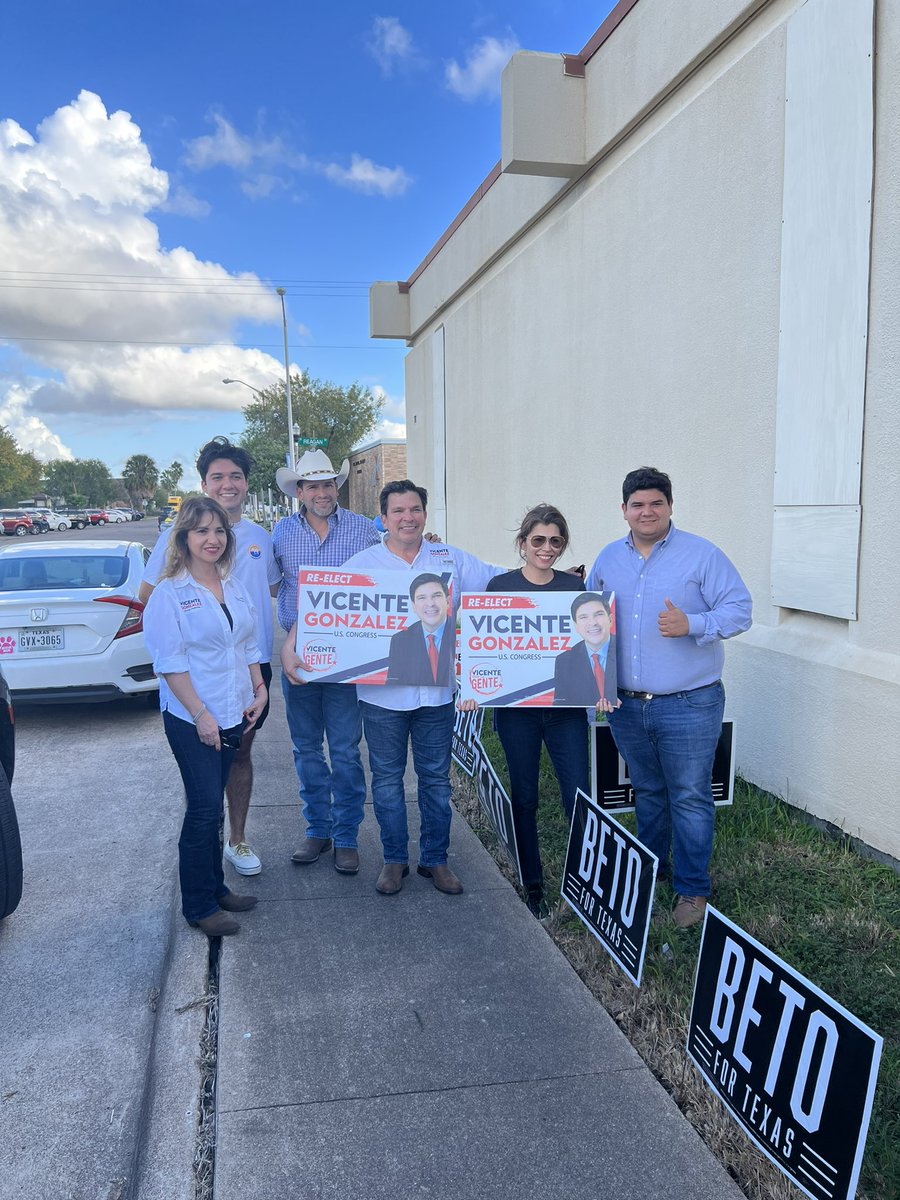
(313, 465)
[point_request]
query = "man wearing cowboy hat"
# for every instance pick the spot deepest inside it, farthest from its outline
(321, 534)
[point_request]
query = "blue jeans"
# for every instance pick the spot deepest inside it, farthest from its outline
(204, 772)
(388, 734)
(521, 732)
(334, 796)
(669, 744)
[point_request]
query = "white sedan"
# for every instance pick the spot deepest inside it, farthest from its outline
(71, 625)
(55, 520)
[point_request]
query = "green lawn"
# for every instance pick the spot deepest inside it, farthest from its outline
(807, 895)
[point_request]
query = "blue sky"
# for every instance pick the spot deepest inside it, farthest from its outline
(164, 166)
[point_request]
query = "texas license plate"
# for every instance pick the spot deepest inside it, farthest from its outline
(41, 639)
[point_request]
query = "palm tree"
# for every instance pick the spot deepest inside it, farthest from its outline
(140, 477)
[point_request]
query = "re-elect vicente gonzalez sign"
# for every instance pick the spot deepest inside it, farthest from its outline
(538, 649)
(794, 1068)
(376, 627)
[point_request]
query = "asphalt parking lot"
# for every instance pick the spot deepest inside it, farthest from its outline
(81, 959)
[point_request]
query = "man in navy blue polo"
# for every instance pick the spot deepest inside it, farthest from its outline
(678, 597)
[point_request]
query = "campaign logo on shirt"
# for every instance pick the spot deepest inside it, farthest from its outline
(192, 603)
(254, 551)
(435, 551)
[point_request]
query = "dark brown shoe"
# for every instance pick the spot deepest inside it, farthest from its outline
(346, 860)
(311, 851)
(233, 903)
(390, 881)
(442, 878)
(218, 925)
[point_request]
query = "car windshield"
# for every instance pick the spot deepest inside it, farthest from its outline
(26, 574)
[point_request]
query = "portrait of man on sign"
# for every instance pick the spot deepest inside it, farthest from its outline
(586, 672)
(422, 653)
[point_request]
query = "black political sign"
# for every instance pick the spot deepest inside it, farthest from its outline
(466, 733)
(496, 806)
(608, 881)
(611, 785)
(793, 1067)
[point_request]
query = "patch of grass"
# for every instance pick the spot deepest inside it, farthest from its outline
(807, 895)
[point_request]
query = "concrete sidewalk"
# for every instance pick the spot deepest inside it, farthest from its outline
(422, 1044)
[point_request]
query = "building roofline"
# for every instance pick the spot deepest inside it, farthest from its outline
(573, 64)
(380, 442)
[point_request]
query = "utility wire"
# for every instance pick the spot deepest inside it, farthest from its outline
(11, 337)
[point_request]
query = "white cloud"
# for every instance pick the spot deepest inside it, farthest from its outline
(363, 175)
(184, 203)
(255, 158)
(227, 147)
(393, 414)
(262, 185)
(390, 44)
(91, 285)
(484, 64)
(27, 428)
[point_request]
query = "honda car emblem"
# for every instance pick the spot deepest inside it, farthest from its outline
(40, 614)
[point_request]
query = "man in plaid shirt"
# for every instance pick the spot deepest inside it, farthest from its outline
(322, 534)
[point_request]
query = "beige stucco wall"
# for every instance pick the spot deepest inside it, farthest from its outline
(634, 318)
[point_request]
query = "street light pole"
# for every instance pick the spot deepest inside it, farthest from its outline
(287, 382)
(244, 382)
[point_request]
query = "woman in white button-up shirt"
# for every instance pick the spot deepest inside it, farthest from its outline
(201, 629)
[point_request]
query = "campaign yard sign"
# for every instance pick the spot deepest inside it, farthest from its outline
(376, 627)
(466, 736)
(538, 649)
(496, 806)
(611, 784)
(608, 882)
(794, 1068)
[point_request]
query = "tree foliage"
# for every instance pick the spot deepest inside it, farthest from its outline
(20, 471)
(171, 477)
(82, 479)
(345, 416)
(140, 476)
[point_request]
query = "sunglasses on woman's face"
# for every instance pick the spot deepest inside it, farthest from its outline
(538, 539)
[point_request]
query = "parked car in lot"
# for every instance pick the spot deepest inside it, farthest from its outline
(78, 518)
(56, 521)
(136, 515)
(98, 516)
(71, 625)
(10, 844)
(117, 515)
(15, 521)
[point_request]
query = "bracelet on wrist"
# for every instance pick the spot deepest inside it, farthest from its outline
(262, 683)
(199, 713)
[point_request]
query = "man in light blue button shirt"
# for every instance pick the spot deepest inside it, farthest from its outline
(678, 597)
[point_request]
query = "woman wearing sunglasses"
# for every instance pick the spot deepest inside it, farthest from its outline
(542, 538)
(200, 627)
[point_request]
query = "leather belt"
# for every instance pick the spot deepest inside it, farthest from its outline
(659, 695)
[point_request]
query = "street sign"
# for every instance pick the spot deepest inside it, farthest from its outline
(312, 441)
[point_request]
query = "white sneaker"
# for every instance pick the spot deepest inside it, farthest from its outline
(242, 859)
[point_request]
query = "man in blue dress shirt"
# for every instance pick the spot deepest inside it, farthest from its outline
(678, 597)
